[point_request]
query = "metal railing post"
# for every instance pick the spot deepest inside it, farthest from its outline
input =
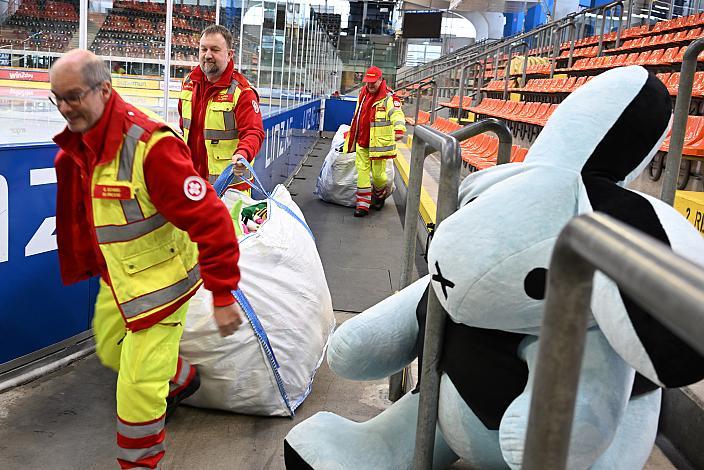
(629, 20)
(507, 72)
(450, 165)
(601, 32)
(433, 102)
(650, 12)
(556, 50)
(573, 39)
(619, 30)
(418, 95)
(668, 286)
(425, 141)
(679, 124)
(462, 89)
(479, 83)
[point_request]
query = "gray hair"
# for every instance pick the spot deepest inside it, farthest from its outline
(95, 72)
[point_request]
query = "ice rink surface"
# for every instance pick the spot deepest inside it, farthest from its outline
(27, 116)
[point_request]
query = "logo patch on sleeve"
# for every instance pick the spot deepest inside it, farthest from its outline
(255, 105)
(194, 188)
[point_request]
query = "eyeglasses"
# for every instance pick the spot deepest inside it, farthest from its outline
(73, 99)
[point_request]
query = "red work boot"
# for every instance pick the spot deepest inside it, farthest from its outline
(184, 384)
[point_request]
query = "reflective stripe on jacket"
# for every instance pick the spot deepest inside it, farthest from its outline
(386, 120)
(151, 263)
(220, 128)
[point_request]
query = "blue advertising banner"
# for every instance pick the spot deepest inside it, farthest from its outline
(338, 112)
(36, 309)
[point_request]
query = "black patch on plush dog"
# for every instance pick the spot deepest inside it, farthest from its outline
(292, 460)
(483, 365)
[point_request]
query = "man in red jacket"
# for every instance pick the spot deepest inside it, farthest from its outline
(219, 109)
(132, 209)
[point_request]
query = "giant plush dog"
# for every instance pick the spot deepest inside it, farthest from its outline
(487, 266)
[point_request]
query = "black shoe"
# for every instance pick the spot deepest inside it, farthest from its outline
(378, 203)
(361, 212)
(174, 401)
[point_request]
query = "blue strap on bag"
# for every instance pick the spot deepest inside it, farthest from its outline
(227, 177)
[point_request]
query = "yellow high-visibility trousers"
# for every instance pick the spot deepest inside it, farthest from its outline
(365, 166)
(146, 361)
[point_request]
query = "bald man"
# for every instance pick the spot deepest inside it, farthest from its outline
(132, 209)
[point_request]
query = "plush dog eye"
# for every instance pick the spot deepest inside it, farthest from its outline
(535, 282)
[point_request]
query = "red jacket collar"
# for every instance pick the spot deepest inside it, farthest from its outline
(101, 141)
(380, 93)
(225, 79)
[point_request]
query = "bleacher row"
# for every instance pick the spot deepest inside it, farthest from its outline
(569, 84)
(669, 56)
(138, 29)
(46, 25)
(478, 152)
(659, 48)
(664, 35)
(131, 28)
(206, 13)
(50, 10)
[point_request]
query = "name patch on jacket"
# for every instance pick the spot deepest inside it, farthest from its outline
(222, 98)
(106, 191)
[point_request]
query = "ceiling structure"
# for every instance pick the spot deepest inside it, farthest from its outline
(500, 6)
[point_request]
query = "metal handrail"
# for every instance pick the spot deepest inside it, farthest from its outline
(668, 286)
(679, 124)
(472, 52)
(609, 8)
(430, 84)
(427, 140)
(462, 89)
(556, 52)
(507, 70)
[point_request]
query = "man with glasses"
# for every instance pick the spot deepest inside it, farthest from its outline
(132, 209)
(219, 109)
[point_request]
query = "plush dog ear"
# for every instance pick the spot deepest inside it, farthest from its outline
(625, 109)
(620, 156)
(646, 344)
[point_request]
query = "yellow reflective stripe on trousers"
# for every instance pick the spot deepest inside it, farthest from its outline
(382, 149)
(145, 303)
(186, 123)
(124, 233)
(137, 431)
(380, 123)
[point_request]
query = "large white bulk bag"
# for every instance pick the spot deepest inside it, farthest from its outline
(337, 180)
(268, 365)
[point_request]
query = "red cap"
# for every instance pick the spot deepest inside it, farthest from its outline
(373, 74)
